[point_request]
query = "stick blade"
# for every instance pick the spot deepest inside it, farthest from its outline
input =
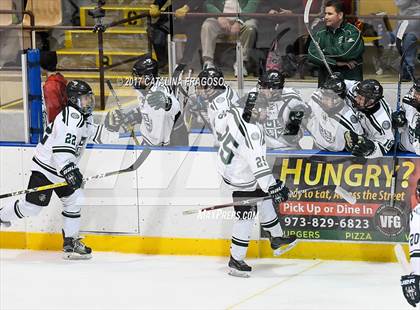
(307, 11)
(400, 34)
(189, 212)
(140, 160)
(402, 259)
(345, 195)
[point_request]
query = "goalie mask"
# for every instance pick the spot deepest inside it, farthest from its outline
(271, 83)
(210, 83)
(255, 110)
(368, 95)
(80, 96)
(145, 72)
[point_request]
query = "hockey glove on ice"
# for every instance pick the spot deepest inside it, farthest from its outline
(398, 119)
(278, 192)
(158, 100)
(358, 145)
(410, 285)
(72, 175)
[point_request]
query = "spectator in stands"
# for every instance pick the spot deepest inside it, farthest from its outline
(190, 26)
(160, 28)
(341, 43)
(412, 35)
(54, 88)
(243, 26)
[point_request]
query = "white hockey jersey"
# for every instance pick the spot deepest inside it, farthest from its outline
(65, 140)
(377, 124)
(241, 158)
(277, 117)
(156, 125)
(414, 239)
(408, 142)
(328, 131)
(222, 102)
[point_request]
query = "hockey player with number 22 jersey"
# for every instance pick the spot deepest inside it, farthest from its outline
(55, 160)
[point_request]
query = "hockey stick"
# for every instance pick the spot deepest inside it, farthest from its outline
(402, 259)
(306, 21)
(139, 161)
(338, 189)
(400, 35)
(114, 94)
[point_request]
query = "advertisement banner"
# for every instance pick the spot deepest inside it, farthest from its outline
(323, 214)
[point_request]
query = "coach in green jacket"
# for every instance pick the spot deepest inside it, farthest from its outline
(341, 43)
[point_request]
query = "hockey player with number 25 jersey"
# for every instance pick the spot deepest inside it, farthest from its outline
(241, 161)
(55, 160)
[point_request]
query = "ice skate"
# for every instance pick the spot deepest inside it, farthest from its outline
(75, 249)
(281, 245)
(239, 268)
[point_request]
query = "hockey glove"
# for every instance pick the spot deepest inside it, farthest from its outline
(278, 192)
(293, 125)
(358, 145)
(158, 100)
(72, 175)
(131, 119)
(113, 120)
(415, 132)
(398, 119)
(410, 285)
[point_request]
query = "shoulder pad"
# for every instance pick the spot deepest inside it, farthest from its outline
(72, 117)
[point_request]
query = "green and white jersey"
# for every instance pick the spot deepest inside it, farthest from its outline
(65, 140)
(241, 158)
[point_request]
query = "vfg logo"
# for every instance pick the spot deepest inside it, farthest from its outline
(389, 221)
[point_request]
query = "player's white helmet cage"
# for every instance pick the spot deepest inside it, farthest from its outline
(80, 96)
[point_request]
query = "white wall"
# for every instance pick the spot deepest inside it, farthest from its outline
(148, 202)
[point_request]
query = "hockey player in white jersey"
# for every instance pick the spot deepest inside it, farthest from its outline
(241, 161)
(158, 108)
(55, 160)
(408, 119)
(285, 111)
(213, 97)
(328, 117)
(411, 283)
(374, 115)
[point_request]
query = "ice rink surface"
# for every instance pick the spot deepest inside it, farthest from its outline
(42, 280)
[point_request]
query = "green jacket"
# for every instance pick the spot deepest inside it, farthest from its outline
(343, 44)
(216, 6)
